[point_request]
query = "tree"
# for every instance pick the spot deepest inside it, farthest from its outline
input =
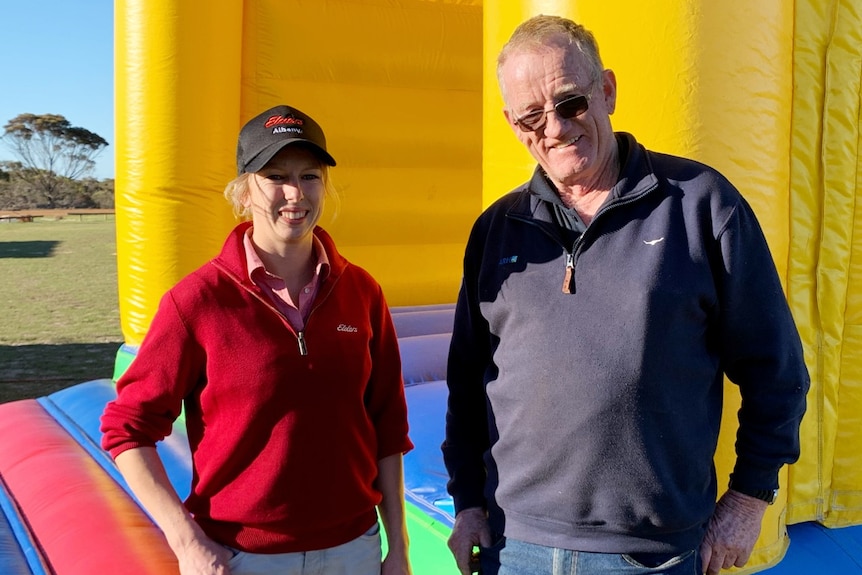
(18, 194)
(51, 151)
(15, 193)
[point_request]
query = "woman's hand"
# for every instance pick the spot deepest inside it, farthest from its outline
(203, 556)
(396, 563)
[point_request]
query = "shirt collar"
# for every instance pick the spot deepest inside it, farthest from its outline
(255, 265)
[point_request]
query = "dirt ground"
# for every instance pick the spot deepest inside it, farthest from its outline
(31, 371)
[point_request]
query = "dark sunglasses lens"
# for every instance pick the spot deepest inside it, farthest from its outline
(574, 106)
(532, 120)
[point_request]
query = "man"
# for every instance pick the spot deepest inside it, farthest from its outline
(602, 304)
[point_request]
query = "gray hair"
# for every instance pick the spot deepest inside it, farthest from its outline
(542, 31)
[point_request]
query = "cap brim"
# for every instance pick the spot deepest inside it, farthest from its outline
(268, 153)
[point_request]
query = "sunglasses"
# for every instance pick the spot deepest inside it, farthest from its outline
(567, 109)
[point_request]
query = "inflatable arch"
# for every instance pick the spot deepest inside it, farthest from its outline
(768, 91)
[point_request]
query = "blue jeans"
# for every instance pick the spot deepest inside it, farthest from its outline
(513, 557)
(361, 556)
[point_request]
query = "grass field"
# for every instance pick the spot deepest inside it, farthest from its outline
(60, 323)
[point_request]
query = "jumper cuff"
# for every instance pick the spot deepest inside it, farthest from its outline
(463, 502)
(752, 478)
(115, 450)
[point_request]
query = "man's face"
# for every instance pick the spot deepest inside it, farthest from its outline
(575, 151)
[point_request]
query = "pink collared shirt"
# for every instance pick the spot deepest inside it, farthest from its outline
(273, 286)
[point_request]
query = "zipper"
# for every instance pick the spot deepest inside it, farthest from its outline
(569, 276)
(569, 286)
(571, 257)
(300, 335)
(322, 297)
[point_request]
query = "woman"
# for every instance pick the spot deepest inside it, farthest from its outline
(285, 358)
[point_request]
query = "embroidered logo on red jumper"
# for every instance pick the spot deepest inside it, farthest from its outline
(282, 120)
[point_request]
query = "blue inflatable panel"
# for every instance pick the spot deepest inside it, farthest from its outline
(425, 476)
(12, 560)
(18, 551)
(818, 550)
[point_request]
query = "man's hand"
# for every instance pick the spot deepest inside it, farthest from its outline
(470, 529)
(732, 532)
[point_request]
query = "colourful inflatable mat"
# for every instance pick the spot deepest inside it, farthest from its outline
(64, 499)
(78, 409)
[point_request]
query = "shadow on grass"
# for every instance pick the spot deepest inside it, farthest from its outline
(31, 249)
(30, 371)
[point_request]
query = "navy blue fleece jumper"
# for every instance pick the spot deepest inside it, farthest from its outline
(589, 420)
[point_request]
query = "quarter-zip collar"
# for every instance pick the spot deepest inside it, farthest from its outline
(538, 199)
(232, 262)
(636, 180)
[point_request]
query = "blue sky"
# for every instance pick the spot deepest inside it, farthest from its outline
(57, 57)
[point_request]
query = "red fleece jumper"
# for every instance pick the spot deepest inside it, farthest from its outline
(285, 428)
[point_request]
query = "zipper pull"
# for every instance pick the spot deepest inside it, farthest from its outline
(300, 338)
(569, 277)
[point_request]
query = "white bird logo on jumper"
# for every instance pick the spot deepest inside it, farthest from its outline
(653, 242)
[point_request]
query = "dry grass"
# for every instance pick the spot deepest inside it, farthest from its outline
(60, 323)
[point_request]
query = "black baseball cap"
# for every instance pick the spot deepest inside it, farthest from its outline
(267, 133)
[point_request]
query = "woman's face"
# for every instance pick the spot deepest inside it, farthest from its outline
(286, 199)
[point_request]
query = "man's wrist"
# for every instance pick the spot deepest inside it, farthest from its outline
(478, 511)
(767, 495)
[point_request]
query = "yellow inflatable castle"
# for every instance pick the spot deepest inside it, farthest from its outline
(767, 91)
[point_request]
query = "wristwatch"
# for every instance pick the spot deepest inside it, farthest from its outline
(767, 495)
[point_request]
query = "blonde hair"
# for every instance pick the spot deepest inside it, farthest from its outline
(237, 190)
(541, 31)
